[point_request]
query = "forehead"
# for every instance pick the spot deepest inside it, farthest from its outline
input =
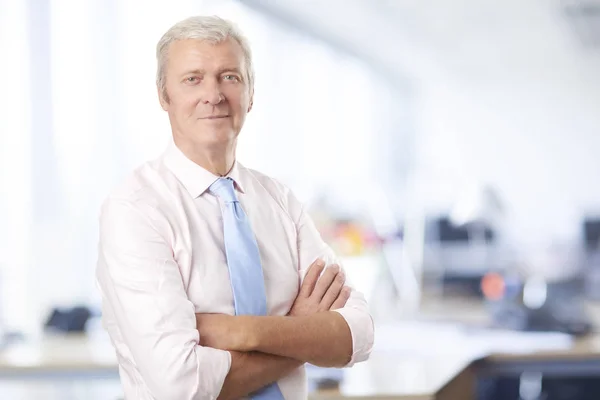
(200, 54)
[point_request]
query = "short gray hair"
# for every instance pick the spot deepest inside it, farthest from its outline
(212, 29)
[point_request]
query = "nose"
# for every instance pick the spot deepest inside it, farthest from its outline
(211, 93)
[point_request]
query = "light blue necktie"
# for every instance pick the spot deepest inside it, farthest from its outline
(243, 261)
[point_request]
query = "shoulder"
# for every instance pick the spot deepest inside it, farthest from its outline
(276, 190)
(141, 192)
(136, 187)
(275, 187)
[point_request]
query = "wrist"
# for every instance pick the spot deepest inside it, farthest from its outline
(251, 333)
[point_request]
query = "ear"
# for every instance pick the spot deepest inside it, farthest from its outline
(251, 103)
(163, 98)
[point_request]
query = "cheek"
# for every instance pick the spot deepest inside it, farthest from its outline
(185, 101)
(187, 107)
(238, 99)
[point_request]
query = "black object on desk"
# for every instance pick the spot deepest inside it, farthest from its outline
(562, 310)
(591, 234)
(591, 256)
(68, 320)
(459, 255)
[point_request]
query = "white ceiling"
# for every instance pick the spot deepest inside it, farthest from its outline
(505, 92)
(474, 39)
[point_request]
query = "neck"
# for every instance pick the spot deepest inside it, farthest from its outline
(218, 159)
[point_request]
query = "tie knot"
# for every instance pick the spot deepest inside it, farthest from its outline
(223, 188)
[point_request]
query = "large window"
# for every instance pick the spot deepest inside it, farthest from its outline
(314, 126)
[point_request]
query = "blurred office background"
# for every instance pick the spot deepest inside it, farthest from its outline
(438, 144)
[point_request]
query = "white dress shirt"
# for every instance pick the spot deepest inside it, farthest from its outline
(162, 259)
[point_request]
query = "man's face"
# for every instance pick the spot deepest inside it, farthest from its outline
(207, 93)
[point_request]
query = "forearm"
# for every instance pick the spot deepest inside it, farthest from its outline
(252, 371)
(322, 339)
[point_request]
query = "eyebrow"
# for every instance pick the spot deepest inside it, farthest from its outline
(234, 69)
(219, 72)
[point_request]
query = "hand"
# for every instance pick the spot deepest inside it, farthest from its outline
(324, 294)
(225, 332)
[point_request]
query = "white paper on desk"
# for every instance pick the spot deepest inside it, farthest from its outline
(426, 339)
(518, 342)
(446, 339)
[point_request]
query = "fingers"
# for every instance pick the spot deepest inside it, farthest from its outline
(311, 278)
(333, 291)
(342, 298)
(324, 282)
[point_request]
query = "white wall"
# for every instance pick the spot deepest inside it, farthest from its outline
(506, 95)
(15, 164)
(536, 139)
(502, 93)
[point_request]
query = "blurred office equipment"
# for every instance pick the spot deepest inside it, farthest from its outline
(533, 304)
(541, 289)
(68, 320)
(591, 256)
(463, 245)
(2, 327)
(591, 234)
(545, 293)
(457, 257)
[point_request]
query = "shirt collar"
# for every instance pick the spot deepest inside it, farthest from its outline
(193, 177)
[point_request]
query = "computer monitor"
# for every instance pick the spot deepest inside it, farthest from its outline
(448, 232)
(591, 234)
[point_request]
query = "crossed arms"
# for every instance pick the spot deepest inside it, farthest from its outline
(182, 355)
(265, 349)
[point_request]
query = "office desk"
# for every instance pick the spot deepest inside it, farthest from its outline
(38, 365)
(581, 359)
(406, 372)
(77, 363)
(55, 355)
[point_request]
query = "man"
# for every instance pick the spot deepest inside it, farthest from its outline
(213, 277)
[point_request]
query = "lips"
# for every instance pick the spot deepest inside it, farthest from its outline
(215, 117)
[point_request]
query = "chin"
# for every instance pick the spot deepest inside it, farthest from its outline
(218, 138)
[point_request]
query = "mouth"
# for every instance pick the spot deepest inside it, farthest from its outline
(213, 117)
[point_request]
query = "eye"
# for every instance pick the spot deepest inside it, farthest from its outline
(192, 79)
(230, 77)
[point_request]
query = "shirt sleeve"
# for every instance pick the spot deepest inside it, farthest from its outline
(141, 284)
(356, 312)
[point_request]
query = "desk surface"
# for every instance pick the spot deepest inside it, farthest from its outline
(411, 370)
(385, 375)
